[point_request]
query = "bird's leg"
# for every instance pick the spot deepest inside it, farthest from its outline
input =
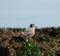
(31, 39)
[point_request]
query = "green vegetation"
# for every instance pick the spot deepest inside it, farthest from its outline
(29, 49)
(58, 30)
(46, 42)
(44, 37)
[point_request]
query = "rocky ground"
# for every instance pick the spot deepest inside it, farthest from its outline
(47, 38)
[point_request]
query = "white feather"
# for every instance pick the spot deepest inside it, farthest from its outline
(29, 32)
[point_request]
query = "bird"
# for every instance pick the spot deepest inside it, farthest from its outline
(29, 32)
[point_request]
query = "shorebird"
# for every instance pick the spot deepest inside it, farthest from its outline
(29, 32)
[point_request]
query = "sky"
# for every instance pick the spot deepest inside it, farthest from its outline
(21, 13)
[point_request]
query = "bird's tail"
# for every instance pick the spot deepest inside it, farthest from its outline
(23, 33)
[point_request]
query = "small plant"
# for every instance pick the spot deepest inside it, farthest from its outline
(29, 49)
(23, 29)
(58, 30)
(44, 37)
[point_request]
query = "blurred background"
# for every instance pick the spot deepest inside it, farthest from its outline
(21, 13)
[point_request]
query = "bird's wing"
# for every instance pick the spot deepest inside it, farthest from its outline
(29, 31)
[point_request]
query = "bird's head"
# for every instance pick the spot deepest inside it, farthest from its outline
(33, 26)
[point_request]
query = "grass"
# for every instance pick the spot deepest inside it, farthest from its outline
(43, 43)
